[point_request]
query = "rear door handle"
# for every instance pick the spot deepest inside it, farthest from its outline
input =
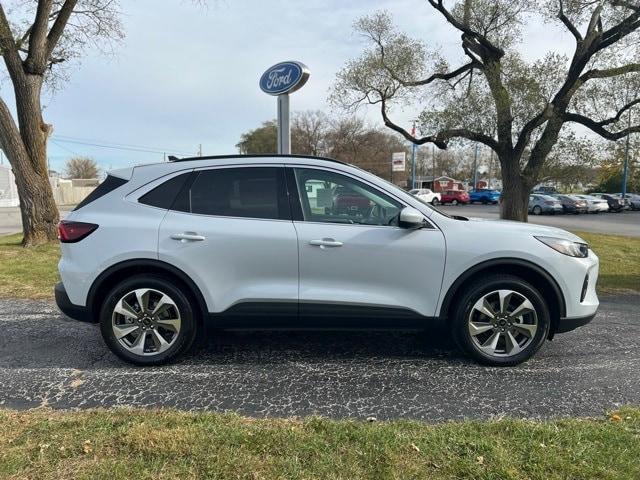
(325, 242)
(188, 237)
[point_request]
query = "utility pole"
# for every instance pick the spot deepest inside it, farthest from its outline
(433, 160)
(625, 170)
(490, 165)
(199, 149)
(475, 168)
(413, 158)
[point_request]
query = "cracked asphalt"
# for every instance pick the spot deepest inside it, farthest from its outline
(48, 359)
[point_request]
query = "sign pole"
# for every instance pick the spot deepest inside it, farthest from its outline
(284, 127)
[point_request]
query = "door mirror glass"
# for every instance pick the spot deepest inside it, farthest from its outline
(411, 218)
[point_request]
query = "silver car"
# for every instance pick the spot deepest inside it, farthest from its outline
(539, 204)
(594, 204)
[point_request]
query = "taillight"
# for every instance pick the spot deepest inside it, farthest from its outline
(71, 232)
(549, 202)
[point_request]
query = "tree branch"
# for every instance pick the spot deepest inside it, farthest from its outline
(8, 48)
(59, 24)
(610, 72)
(597, 127)
(440, 139)
(37, 55)
(440, 76)
(570, 26)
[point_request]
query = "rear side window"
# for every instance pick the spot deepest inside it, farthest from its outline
(164, 194)
(110, 184)
(252, 192)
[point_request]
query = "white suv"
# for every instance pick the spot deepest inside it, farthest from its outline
(426, 195)
(158, 252)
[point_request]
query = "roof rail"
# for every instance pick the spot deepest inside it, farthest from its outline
(258, 155)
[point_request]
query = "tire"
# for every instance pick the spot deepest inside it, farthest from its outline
(177, 322)
(464, 314)
(537, 210)
(434, 202)
(454, 202)
(485, 200)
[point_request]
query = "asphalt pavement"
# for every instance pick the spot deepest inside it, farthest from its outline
(49, 360)
(624, 223)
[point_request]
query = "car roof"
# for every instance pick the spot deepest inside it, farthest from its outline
(257, 155)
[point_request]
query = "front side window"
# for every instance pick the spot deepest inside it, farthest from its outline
(253, 192)
(334, 198)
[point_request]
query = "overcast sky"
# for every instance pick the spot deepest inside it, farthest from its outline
(187, 75)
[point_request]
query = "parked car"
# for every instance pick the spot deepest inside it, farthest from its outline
(426, 195)
(455, 197)
(484, 195)
(539, 204)
(545, 190)
(594, 204)
(347, 201)
(572, 204)
(615, 204)
(626, 201)
(634, 200)
(158, 252)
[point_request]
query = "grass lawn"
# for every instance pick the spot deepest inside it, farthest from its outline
(124, 444)
(32, 273)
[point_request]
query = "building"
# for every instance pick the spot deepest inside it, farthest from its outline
(441, 184)
(8, 189)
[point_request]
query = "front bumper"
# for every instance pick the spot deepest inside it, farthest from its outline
(568, 324)
(77, 312)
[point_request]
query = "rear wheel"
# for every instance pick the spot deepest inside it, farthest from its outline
(148, 320)
(537, 210)
(501, 320)
(435, 201)
(454, 202)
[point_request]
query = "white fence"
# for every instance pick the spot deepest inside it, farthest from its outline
(65, 192)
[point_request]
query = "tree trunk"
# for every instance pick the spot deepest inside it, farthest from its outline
(26, 149)
(515, 192)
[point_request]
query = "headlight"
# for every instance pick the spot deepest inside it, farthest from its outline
(566, 247)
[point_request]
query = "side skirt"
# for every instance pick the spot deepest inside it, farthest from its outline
(315, 316)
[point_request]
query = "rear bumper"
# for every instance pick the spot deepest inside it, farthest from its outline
(77, 312)
(568, 324)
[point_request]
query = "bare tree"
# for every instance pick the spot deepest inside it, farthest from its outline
(81, 167)
(41, 37)
(495, 97)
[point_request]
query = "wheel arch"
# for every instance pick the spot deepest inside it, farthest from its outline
(532, 273)
(116, 273)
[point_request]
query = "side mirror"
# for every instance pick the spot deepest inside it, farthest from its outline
(411, 218)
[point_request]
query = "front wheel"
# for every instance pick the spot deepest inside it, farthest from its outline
(434, 202)
(501, 320)
(454, 202)
(537, 210)
(148, 320)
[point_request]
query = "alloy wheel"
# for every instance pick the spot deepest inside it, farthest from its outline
(146, 322)
(502, 323)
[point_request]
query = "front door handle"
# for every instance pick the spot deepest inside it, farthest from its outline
(325, 242)
(188, 237)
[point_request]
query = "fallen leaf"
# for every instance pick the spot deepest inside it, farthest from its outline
(615, 418)
(86, 446)
(480, 460)
(415, 447)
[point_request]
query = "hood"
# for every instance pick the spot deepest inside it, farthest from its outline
(521, 228)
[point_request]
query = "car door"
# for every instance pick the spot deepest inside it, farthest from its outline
(356, 255)
(230, 230)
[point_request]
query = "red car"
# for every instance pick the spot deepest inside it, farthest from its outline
(454, 197)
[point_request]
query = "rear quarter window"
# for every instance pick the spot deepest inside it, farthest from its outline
(163, 195)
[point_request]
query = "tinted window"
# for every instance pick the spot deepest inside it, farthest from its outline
(110, 184)
(164, 194)
(335, 198)
(240, 192)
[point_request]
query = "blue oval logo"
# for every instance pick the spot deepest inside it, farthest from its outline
(283, 78)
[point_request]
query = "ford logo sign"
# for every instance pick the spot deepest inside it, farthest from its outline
(284, 77)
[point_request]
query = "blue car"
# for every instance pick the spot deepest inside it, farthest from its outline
(484, 195)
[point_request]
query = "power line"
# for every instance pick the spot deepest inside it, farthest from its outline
(116, 146)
